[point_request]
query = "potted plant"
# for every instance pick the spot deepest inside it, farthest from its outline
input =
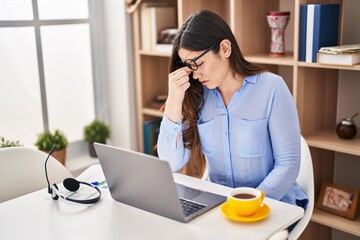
(96, 131)
(9, 143)
(47, 140)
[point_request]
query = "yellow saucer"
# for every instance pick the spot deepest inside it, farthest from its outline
(262, 213)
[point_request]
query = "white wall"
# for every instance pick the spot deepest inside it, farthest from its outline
(119, 72)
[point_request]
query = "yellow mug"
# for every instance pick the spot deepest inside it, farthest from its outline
(245, 201)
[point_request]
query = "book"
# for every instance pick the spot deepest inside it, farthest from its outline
(346, 59)
(322, 28)
(309, 31)
(302, 32)
(158, 101)
(350, 48)
(151, 129)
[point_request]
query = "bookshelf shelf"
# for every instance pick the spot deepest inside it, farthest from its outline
(154, 53)
(287, 60)
(336, 222)
(327, 139)
(152, 112)
(318, 65)
(315, 87)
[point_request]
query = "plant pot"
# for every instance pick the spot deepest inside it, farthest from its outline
(60, 155)
(92, 151)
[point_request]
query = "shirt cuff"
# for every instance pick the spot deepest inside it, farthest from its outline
(170, 125)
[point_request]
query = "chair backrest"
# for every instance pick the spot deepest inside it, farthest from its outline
(306, 181)
(22, 171)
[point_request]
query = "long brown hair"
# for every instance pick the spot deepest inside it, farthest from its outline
(200, 31)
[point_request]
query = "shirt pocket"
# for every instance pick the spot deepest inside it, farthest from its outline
(206, 134)
(251, 137)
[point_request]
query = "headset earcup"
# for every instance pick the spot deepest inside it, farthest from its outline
(71, 184)
(53, 192)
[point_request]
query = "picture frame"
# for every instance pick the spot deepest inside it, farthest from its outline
(340, 200)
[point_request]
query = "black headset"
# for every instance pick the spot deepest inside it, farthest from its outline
(70, 184)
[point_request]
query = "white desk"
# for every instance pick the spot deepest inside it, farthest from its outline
(37, 216)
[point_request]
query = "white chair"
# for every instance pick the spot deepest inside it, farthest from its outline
(306, 181)
(22, 171)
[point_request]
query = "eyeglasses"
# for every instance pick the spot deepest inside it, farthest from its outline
(191, 63)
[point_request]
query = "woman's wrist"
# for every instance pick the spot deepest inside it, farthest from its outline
(173, 110)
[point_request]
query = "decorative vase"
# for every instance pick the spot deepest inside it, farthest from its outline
(277, 22)
(60, 155)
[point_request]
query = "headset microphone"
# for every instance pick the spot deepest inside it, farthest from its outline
(70, 184)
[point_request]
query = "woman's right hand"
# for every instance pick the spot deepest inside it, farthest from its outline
(178, 84)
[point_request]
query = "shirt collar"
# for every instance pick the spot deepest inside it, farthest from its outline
(251, 79)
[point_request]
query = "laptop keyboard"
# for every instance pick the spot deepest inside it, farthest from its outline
(190, 207)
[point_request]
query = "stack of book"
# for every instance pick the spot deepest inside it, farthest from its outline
(347, 55)
(319, 27)
(158, 101)
(158, 22)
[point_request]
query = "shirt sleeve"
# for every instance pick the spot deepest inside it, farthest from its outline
(170, 145)
(285, 138)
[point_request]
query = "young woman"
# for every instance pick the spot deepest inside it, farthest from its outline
(235, 116)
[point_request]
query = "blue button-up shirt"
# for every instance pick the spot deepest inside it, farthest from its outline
(254, 141)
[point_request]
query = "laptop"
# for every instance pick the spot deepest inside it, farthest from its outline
(146, 182)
